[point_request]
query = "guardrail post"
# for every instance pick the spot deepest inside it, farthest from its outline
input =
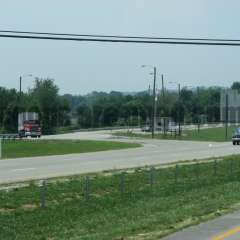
(197, 170)
(43, 193)
(122, 183)
(215, 167)
(152, 171)
(231, 168)
(176, 172)
(87, 188)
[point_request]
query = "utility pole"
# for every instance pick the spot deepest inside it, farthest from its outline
(163, 91)
(226, 117)
(20, 85)
(19, 105)
(198, 115)
(179, 123)
(20, 94)
(154, 101)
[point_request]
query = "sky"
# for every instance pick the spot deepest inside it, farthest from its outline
(83, 67)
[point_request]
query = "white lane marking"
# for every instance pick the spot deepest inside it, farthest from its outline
(22, 169)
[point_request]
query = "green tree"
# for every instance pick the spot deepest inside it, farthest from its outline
(236, 86)
(45, 93)
(84, 116)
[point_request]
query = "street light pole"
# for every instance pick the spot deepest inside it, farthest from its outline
(20, 86)
(179, 123)
(20, 81)
(154, 98)
(19, 105)
(154, 101)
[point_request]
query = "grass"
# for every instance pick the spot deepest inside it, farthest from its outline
(179, 197)
(68, 129)
(210, 134)
(23, 148)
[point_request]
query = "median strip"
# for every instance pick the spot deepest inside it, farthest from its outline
(28, 148)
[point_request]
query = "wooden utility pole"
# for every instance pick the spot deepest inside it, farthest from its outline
(226, 117)
(163, 91)
(179, 110)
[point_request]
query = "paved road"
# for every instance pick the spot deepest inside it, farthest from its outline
(91, 135)
(153, 152)
(223, 228)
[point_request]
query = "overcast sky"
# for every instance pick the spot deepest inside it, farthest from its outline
(80, 67)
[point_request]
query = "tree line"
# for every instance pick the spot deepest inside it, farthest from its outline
(43, 98)
(101, 109)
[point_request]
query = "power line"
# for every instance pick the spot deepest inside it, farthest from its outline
(85, 39)
(121, 36)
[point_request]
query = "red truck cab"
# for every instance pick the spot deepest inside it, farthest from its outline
(29, 125)
(32, 128)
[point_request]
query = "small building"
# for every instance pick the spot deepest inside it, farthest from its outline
(232, 97)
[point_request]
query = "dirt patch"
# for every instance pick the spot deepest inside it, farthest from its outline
(6, 210)
(29, 206)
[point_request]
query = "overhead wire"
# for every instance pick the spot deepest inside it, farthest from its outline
(121, 36)
(118, 39)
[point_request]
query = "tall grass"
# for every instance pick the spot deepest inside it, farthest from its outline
(151, 203)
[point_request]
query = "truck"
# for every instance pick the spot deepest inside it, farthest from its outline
(29, 125)
(236, 137)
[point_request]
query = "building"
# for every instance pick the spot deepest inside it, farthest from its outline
(232, 111)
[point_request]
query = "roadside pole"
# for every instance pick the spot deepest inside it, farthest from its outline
(179, 123)
(226, 118)
(154, 102)
(163, 91)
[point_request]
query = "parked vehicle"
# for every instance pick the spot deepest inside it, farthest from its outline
(29, 125)
(236, 137)
(146, 128)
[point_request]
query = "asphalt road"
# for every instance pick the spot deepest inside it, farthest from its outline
(90, 135)
(223, 228)
(153, 152)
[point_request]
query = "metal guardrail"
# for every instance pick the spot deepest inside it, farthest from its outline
(9, 136)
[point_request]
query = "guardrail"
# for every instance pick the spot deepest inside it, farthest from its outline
(6, 137)
(9, 136)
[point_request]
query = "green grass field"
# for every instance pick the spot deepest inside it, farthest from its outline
(152, 204)
(28, 148)
(210, 134)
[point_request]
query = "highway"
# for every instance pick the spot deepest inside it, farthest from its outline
(152, 152)
(223, 228)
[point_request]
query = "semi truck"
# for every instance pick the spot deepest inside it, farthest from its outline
(29, 125)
